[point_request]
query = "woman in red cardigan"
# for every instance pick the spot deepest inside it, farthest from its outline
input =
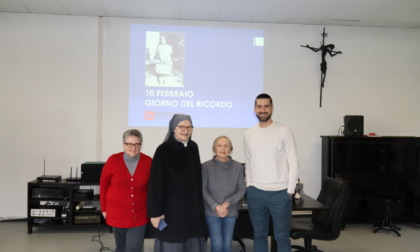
(123, 193)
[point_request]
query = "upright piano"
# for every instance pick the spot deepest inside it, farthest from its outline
(375, 167)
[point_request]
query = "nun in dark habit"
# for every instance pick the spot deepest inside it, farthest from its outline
(175, 191)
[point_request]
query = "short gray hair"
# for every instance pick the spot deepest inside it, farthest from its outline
(133, 132)
(220, 137)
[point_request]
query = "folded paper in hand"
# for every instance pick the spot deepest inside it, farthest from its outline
(162, 224)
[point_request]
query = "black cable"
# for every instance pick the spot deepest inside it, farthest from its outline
(97, 238)
(340, 130)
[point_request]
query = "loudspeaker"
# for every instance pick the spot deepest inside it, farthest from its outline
(91, 172)
(353, 125)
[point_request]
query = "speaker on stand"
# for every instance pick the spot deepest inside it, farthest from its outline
(353, 125)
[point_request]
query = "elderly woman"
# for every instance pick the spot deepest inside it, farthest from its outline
(175, 195)
(223, 188)
(123, 190)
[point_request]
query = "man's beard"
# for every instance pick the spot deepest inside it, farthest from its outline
(264, 119)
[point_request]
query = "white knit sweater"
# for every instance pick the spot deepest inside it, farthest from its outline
(271, 162)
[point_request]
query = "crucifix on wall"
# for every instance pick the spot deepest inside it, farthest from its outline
(324, 50)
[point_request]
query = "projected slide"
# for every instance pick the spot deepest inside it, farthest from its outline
(212, 74)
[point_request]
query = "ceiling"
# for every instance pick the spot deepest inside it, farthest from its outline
(364, 13)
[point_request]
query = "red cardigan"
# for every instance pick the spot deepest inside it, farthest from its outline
(123, 197)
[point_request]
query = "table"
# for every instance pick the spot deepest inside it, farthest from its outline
(243, 227)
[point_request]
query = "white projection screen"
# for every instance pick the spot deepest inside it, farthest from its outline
(153, 69)
(210, 73)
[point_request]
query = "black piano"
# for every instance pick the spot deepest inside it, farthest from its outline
(374, 167)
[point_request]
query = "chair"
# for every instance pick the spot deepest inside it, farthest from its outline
(324, 224)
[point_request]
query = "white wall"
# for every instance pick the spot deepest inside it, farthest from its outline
(59, 99)
(48, 100)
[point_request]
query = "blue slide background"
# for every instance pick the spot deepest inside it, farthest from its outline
(221, 64)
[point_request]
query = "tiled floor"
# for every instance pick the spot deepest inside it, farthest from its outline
(355, 237)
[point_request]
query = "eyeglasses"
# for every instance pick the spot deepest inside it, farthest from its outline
(131, 145)
(182, 128)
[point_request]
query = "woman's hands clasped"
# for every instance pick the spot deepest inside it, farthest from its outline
(222, 210)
